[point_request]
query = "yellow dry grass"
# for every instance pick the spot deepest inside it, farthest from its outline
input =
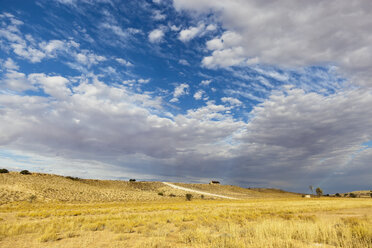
(173, 222)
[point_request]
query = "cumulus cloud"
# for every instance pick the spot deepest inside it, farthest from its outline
(156, 35)
(180, 90)
(188, 34)
(14, 80)
(314, 33)
(199, 94)
(94, 118)
(9, 64)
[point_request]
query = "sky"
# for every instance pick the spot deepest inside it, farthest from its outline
(251, 93)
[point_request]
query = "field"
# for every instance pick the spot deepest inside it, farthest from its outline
(153, 220)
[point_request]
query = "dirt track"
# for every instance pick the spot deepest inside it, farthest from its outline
(198, 192)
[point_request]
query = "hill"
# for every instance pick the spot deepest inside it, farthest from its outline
(49, 187)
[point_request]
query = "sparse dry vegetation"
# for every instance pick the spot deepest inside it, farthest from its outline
(163, 221)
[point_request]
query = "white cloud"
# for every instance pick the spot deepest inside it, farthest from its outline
(88, 58)
(54, 86)
(9, 64)
(205, 82)
(158, 16)
(188, 34)
(183, 62)
(231, 101)
(143, 81)
(199, 94)
(124, 34)
(16, 81)
(316, 33)
(156, 35)
(180, 90)
(52, 46)
(123, 62)
(174, 28)
(30, 53)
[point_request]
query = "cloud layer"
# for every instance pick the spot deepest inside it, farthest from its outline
(290, 33)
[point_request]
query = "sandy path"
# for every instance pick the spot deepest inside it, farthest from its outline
(197, 191)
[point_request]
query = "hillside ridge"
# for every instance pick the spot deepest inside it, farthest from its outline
(48, 187)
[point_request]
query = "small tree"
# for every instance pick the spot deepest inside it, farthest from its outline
(4, 171)
(25, 172)
(319, 191)
(188, 197)
(132, 180)
(337, 195)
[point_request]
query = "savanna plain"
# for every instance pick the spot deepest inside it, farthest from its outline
(43, 210)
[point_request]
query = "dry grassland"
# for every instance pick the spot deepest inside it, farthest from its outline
(173, 222)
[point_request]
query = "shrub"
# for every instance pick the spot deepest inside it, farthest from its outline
(202, 196)
(188, 197)
(370, 194)
(337, 195)
(132, 180)
(4, 171)
(25, 172)
(73, 178)
(352, 195)
(172, 195)
(161, 193)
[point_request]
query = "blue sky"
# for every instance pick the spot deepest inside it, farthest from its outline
(249, 93)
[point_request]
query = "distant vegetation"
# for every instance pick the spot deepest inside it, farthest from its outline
(2, 171)
(188, 197)
(319, 192)
(73, 178)
(25, 172)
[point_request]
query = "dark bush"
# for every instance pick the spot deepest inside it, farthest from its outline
(172, 195)
(161, 193)
(337, 195)
(202, 196)
(4, 171)
(25, 172)
(188, 197)
(132, 180)
(73, 178)
(352, 195)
